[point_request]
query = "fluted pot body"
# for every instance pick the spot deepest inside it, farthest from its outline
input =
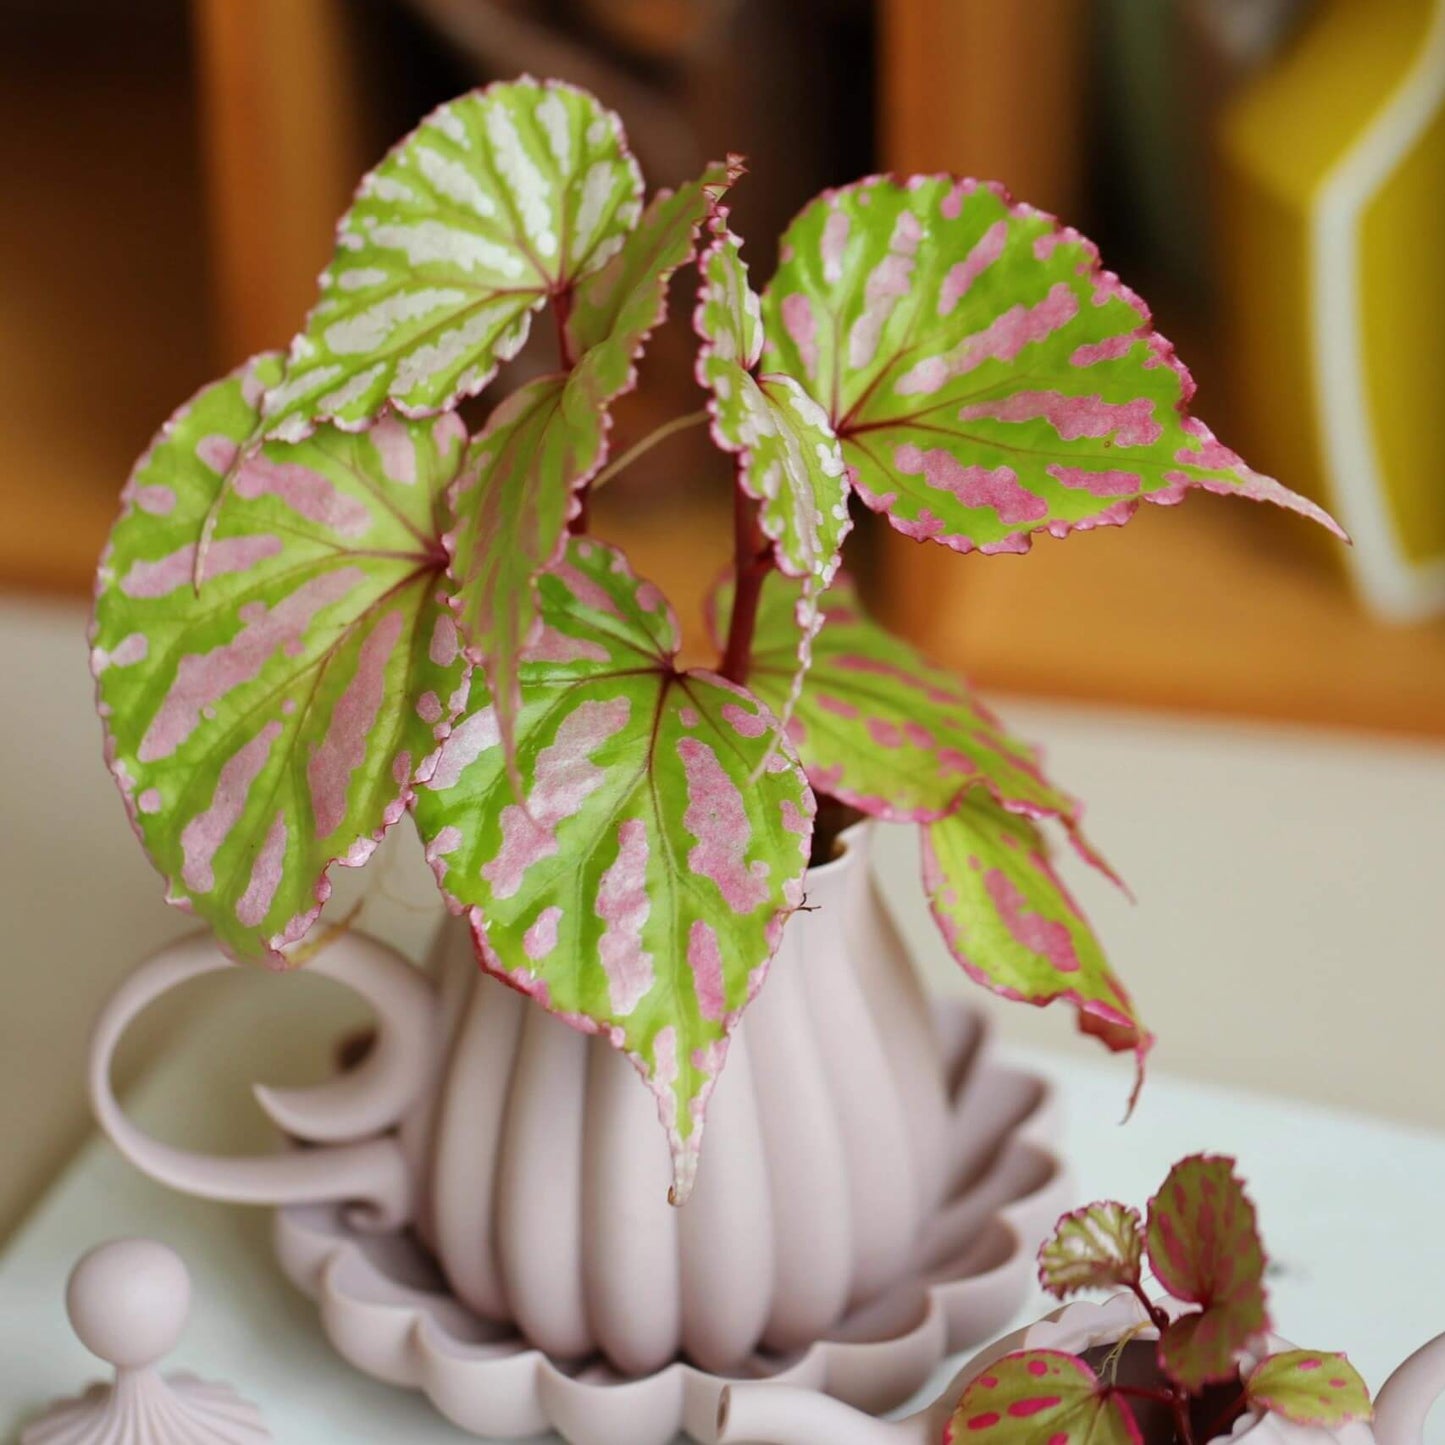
(544, 1172)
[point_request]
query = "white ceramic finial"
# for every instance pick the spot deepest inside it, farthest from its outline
(128, 1301)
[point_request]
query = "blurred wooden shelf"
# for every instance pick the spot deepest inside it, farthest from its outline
(102, 311)
(1215, 606)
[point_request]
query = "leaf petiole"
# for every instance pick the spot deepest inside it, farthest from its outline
(652, 439)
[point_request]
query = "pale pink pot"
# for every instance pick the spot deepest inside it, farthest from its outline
(529, 1157)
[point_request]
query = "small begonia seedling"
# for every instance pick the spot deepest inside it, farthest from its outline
(1212, 1362)
(329, 602)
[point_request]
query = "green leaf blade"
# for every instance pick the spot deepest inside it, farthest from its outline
(274, 723)
(988, 379)
(1013, 927)
(1099, 1246)
(1309, 1387)
(499, 200)
(639, 886)
(1204, 1248)
(1041, 1395)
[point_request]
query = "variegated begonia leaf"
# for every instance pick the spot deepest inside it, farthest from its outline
(615, 309)
(1041, 1395)
(498, 201)
(639, 886)
(987, 377)
(517, 492)
(1204, 1248)
(881, 728)
(1097, 1247)
(1310, 1388)
(1012, 925)
(275, 722)
(788, 458)
(541, 446)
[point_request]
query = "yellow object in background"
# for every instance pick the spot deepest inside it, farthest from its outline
(1333, 250)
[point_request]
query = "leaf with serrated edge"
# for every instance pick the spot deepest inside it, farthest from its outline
(1011, 924)
(988, 379)
(1097, 1247)
(499, 200)
(1204, 1248)
(275, 723)
(1036, 1395)
(881, 728)
(512, 502)
(545, 442)
(788, 458)
(639, 886)
(616, 309)
(1310, 1388)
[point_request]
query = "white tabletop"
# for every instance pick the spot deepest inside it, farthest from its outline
(1350, 1208)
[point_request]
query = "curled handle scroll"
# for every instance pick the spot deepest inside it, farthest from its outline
(355, 1161)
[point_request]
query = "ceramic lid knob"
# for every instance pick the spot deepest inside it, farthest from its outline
(128, 1301)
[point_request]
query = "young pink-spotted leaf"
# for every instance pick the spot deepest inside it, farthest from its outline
(1310, 1388)
(788, 457)
(881, 728)
(987, 378)
(517, 492)
(639, 886)
(499, 200)
(1204, 1248)
(274, 723)
(1012, 925)
(1097, 1247)
(615, 309)
(1033, 1396)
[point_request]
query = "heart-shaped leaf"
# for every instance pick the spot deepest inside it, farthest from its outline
(1097, 1247)
(639, 886)
(1041, 1395)
(274, 723)
(788, 457)
(499, 200)
(1310, 1388)
(1204, 1248)
(987, 378)
(881, 728)
(544, 443)
(1012, 925)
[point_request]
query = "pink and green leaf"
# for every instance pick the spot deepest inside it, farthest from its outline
(788, 458)
(1033, 1396)
(880, 728)
(615, 310)
(275, 722)
(639, 886)
(1100, 1246)
(512, 503)
(499, 200)
(1309, 1387)
(1204, 1248)
(1012, 925)
(987, 378)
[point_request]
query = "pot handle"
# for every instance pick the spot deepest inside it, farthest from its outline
(356, 1162)
(1406, 1397)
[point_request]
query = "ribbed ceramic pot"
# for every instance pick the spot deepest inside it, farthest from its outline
(528, 1156)
(544, 1172)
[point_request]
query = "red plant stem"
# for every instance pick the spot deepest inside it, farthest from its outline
(752, 561)
(561, 312)
(577, 527)
(1157, 1316)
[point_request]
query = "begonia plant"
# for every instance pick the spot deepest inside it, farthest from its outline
(329, 604)
(1193, 1365)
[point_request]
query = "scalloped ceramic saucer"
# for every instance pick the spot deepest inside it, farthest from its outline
(386, 1309)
